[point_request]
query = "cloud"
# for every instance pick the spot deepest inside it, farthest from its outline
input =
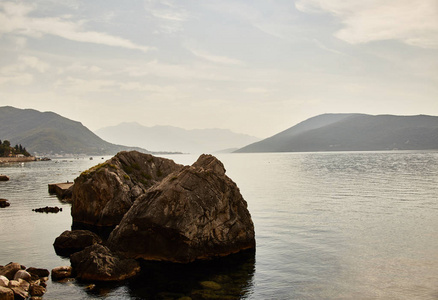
(20, 73)
(414, 22)
(170, 16)
(14, 18)
(18, 79)
(215, 58)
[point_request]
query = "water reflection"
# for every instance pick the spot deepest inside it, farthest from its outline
(224, 278)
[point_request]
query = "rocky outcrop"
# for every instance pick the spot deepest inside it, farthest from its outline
(104, 193)
(16, 283)
(98, 263)
(194, 213)
(70, 242)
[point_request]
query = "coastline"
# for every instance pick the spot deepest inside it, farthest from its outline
(17, 159)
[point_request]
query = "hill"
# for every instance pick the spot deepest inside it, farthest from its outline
(47, 133)
(353, 132)
(171, 138)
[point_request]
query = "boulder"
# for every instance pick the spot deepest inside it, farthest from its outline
(104, 193)
(62, 272)
(98, 263)
(6, 293)
(10, 269)
(4, 203)
(194, 213)
(4, 177)
(73, 241)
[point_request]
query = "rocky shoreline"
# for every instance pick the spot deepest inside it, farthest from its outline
(17, 282)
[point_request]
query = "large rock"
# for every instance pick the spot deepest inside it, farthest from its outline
(195, 213)
(104, 193)
(73, 241)
(98, 263)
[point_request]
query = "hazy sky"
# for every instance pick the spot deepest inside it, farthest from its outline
(255, 67)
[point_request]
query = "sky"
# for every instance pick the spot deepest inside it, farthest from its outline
(256, 67)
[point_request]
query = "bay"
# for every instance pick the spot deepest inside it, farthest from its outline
(340, 225)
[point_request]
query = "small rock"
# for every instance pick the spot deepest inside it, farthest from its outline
(38, 272)
(48, 209)
(19, 293)
(4, 282)
(4, 203)
(59, 273)
(13, 283)
(37, 290)
(22, 274)
(24, 284)
(6, 293)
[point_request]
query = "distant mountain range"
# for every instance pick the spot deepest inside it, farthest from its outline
(353, 132)
(47, 133)
(170, 138)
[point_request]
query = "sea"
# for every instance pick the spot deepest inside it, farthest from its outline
(335, 225)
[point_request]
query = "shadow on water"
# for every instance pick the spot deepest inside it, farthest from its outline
(229, 277)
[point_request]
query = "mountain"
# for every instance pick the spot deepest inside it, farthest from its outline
(47, 133)
(175, 139)
(353, 132)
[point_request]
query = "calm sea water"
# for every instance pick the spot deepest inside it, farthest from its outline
(328, 226)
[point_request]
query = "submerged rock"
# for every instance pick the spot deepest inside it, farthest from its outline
(73, 241)
(194, 213)
(98, 263)
(104, 193)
